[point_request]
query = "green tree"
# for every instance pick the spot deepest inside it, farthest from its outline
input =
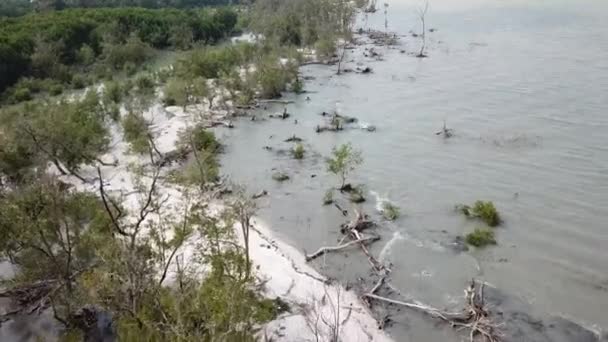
(343, 161)
(68, 133)
(51, 234)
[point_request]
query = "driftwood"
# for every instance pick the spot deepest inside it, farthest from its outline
(260, 194)
(353, 231)
(282, 116)
(178, 155)
(324, 250)
(215, 123)
(324, 128)
(446, 132)
(475, 316)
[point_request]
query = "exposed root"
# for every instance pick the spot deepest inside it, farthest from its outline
(475, 316)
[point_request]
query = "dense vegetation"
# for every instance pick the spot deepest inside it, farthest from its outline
(46, 50)
(13, 8)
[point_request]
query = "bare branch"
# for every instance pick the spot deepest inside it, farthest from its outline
(324, 250)
(104, 199)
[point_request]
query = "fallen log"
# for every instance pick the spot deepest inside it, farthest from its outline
(324, 250)
(475, 316)
(215, 123)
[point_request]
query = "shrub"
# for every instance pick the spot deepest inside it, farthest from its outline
(481, 237)
(297, 86)
(113, 111)
(136, 132)
(22, 94)
(199, 139)
(56, 89)
(298, 151)
(85, 55)
(344, 160)
(130, 68)
(280, 176)
(112, 92)
(145, 84)
(326, 48)
(79, 82)
(176, 93)
(482, 210)
(390, 211)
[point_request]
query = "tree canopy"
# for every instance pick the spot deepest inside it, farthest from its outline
(52, 44)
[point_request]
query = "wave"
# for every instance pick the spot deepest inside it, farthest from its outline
(389, 245)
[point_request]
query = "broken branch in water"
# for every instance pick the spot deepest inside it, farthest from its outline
(475, 316)
(324, 250)
(353, 230)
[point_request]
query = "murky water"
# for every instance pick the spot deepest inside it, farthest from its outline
(524, 84)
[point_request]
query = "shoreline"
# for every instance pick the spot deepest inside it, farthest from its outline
(282, 269)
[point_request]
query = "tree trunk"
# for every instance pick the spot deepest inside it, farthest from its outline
(59, 167)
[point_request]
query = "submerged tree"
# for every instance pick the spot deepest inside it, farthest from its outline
(422, 16)
(343, 161)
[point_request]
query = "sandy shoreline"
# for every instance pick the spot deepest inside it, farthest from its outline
(316, 307)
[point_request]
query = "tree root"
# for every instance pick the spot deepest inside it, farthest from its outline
(475, 316)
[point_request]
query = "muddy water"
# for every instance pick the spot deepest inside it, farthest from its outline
(524, 85)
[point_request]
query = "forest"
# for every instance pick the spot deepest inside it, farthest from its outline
(45, 51)
(13, 8)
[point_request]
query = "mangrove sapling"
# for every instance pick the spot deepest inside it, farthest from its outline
(298, 151)
(344, 160)
(390, 211)
(481, 237)
(483, 210)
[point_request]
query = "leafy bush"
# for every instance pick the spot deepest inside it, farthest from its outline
(145, 85)
(112, 92)
(481, 237)
(136, 132)
(85, 55)
(56, 89)
(79, 82)
(482, 210)
(198, 138)
(326, 48)
(343, 161)
(176, 93)
(21, 94)
(297, 86)
(390, 211)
